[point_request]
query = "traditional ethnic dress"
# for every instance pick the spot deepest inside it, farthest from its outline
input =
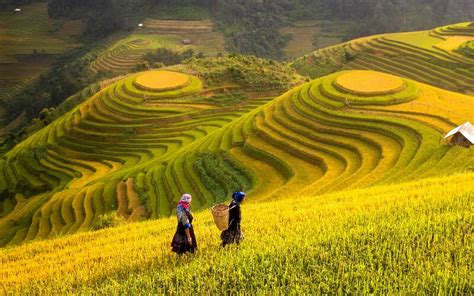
(233, 234)
(180, 242)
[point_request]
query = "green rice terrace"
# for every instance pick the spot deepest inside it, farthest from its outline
(440, 57)
(29, 42)
(122, 55)
(467, 48)
(134, 147)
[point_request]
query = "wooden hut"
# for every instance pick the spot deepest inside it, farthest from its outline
(463, 135)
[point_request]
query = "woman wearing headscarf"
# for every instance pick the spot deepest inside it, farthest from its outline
(233, 234)
(184, 239)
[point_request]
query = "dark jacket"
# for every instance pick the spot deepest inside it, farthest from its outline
(233, 234)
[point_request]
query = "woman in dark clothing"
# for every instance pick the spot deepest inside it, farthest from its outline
(234, 233)
(184, 239)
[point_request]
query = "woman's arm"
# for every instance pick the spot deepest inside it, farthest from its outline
(188, 235)
(183, 218)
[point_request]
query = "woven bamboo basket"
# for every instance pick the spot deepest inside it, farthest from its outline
(220, 212)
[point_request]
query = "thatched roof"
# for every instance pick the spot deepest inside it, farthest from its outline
(467, 130)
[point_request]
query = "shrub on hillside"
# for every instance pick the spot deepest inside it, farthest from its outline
(168, 57)
(249, 71)
(315, 66)
(108, 220)
(221, 174)
(467, 49)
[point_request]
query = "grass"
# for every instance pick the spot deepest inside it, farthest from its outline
(405, 238)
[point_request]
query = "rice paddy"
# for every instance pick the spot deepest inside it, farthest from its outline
(369, 83)
(430, 57)
(161, 80)
(453, 43)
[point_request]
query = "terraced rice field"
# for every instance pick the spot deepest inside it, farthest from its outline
(463, 29)
(453, 43)
(23, 33)
(135, 150)
(309, 35)
(202, 34)
(427, 56)
(161, 80)
(122, 55)
(369, 83)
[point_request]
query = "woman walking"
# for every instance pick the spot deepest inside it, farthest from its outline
(184, 239)
(233, 233)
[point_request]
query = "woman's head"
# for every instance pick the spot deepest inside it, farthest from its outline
(186, 199)
(238, 196)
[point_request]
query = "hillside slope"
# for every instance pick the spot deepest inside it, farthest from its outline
(136, 146)
(431, 57)
(122, 55)
(106, 154)
(401, 239)
(29, 43)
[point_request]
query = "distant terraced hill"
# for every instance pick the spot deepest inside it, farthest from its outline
(29, 42)
(434, 57)
(137, 145)
(122, 55)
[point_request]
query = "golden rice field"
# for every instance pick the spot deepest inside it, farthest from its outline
(161, 80)
(369, 83)
(453, 43)
(407, 238)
